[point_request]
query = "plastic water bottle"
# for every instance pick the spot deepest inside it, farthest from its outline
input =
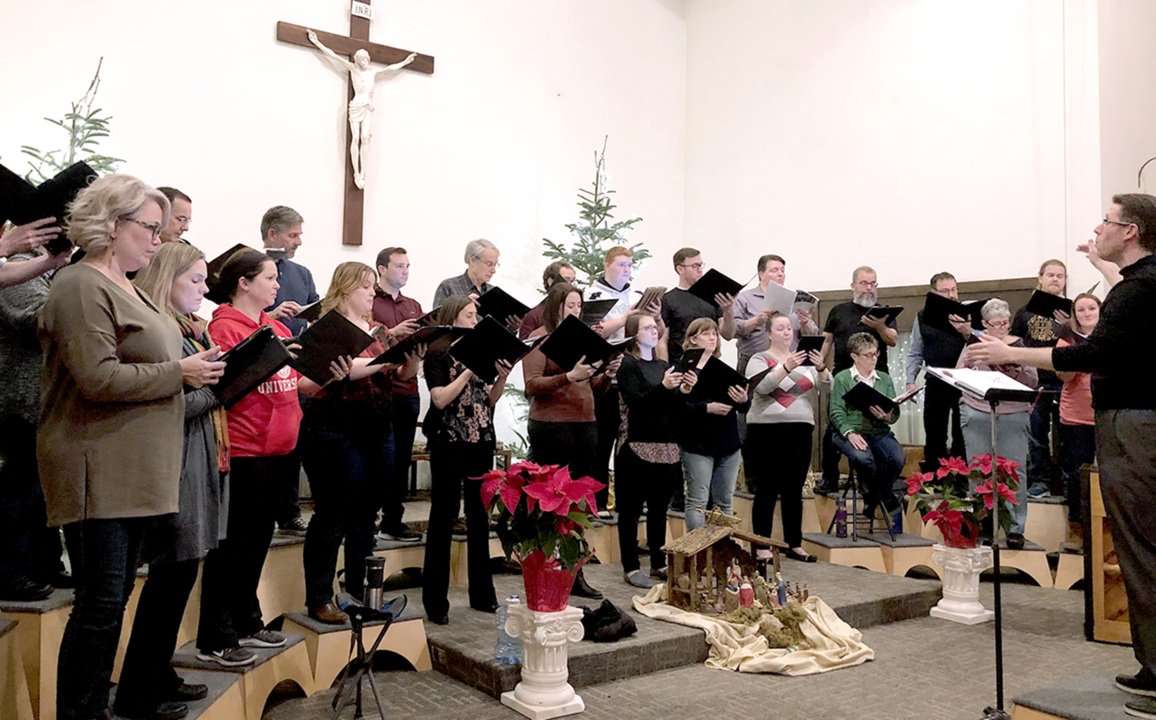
(841, 517)
(507, 650)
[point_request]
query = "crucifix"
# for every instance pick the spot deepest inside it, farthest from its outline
(361, 51)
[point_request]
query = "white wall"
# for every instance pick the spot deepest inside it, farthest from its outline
(913, 135)
(494, 144)
(1128, 103)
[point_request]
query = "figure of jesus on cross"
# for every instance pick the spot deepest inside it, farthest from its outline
(364, 79)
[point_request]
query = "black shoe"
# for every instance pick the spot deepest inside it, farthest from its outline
(1015, 541)
(399, 533)
(678, 505)
(658, 574)
(1142, 683)
(486, 608)
(1141, 708)
(189, 692)
(826, 488)
(59, 580)
(583, 588)
(443, 619)
(164, 711)
(296, 526)
(24, 589)
(800, 556)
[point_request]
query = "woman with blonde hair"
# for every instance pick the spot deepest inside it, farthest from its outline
(347, 450)
(174, 545)
(113, 379)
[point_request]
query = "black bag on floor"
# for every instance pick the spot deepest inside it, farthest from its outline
(608, 623)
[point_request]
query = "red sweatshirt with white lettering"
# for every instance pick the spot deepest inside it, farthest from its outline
(265, 422)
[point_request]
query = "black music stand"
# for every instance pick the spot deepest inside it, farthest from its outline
(993, 397)
(361, 667)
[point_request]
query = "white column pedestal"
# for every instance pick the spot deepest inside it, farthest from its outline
(544, 691)
(961, 569)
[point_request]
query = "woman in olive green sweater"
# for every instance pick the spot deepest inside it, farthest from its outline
(867, 440)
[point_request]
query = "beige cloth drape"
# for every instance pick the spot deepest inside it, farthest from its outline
(834, 643)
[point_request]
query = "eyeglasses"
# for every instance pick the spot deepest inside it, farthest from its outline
(867, 283)
(1106, 221)
(695, 266)
(999, 323)
(492, 265)
(153, 228)
(869, 355)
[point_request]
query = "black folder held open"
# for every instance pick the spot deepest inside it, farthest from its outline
(481, 348)
(248, 364)
(326, 340)
(499, 304)
(574, 340)
(431, 337)
(863, 396)
(713, 283)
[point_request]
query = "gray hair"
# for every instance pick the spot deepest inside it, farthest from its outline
(94, 212)
(995, 308)
(278, 219)
(862, 269)
(475, 248)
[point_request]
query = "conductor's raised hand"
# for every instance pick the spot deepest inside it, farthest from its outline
(27, 237)
(989, 350)
(203, 368)
(581, 370)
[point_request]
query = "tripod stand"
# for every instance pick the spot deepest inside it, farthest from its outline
(361, 667)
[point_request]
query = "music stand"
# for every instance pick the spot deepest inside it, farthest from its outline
(999, 388)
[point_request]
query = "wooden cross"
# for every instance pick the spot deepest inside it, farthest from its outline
(358, 39)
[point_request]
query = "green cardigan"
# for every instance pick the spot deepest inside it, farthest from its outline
(846, 418)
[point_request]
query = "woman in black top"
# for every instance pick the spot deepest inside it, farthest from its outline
(647, 466)
(459, 428)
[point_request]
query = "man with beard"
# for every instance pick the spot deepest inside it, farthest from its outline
(842, 322)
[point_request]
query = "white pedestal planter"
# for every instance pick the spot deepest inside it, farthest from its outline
(961, 569)
(544, 691)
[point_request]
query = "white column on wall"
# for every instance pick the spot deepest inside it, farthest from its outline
(1082, 176)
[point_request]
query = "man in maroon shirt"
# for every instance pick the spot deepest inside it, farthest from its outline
(398, 313)
(559, 269)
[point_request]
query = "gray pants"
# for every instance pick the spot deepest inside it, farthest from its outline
(1126, 450)
(1012, 443)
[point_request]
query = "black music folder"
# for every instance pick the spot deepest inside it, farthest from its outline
(887, 312)
(689, 359)
(218, 262)
(1044, 303)
(808, 343)
(594, 310)
(248, 364)
(574, 339)
(713, 283)
(863, 396)
(937, 308)
(715, 379)
(324, 341)
(22, 202)
(490, 341)
(499, 304)
(310, 312)
(428, 336)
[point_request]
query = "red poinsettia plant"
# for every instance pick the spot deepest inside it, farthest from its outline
(945, 498)
(540, 507)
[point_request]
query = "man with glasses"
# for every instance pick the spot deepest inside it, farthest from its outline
(680, 308)
(481, 264)
(751, 316)
(181, 216)
(1125, 402)
(843, 321)
(937, 347)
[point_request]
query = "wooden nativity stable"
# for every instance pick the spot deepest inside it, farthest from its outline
(698, 561)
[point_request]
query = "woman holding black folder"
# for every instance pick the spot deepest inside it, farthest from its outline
(780, 426)
(173, 546)
(562, 425)
(459, 428)
(709, 434)
(648, 464)
(347, 450)
(263, 429)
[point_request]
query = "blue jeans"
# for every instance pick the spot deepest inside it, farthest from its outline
(709, 475)
(345, 470)
(878, 466)
(1012, 443)
(1040, 468)
(104, 556)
